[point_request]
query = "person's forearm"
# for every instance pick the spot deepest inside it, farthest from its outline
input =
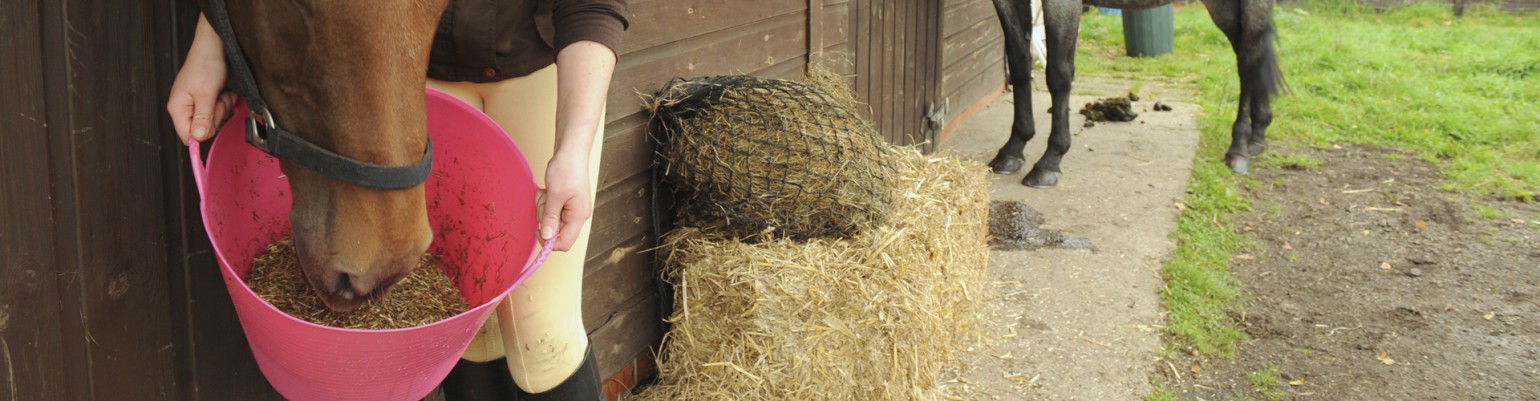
(583, 72)
(206, 42)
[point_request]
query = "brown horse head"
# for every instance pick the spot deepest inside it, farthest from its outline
(347, 76)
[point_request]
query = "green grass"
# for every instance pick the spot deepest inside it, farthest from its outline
(1292, 161)
(1267, 382)
(1487, 212)
(1161, 393)
(1460, 93)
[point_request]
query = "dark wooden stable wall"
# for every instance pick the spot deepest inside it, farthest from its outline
(897, 51)
(109, 289)
(972, 58)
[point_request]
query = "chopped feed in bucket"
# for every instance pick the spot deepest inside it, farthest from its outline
(425, 296)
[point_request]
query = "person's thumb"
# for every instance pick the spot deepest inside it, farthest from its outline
(203, 117)
(550, 218)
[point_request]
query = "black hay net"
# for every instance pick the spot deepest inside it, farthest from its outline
(749, 157)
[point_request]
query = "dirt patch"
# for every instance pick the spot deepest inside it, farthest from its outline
(1367, 282)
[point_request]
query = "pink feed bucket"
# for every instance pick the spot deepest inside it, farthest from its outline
(481, 204)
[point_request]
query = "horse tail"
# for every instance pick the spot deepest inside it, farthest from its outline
(1269, 73)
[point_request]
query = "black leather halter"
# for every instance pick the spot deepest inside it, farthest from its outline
(263, 131)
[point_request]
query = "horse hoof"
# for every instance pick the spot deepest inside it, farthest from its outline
(1238, 164)
(1039, 178)
(1006, 164)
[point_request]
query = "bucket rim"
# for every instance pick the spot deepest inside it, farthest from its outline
(540, 250)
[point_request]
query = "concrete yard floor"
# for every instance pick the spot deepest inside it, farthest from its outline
(1076, 324)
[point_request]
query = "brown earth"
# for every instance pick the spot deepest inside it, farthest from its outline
(1365, 281)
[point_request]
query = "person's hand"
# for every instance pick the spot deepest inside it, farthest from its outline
(565, 203)
(198, 99)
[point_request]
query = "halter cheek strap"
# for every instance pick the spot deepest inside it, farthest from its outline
(263, 132)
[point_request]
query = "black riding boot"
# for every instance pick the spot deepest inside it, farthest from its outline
(478, 381)
(583, 385)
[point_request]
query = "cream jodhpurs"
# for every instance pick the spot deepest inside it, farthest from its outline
(540, 326)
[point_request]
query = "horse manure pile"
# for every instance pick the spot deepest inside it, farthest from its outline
(753, 157)
(1110, 109)
(426, 296)
(879, 315)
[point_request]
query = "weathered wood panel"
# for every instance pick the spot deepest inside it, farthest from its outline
(982, 39)
(86, 289)
(739, 50)
(658, 22)
(633, 332)
(973, 54)
(30, 347)
(896, 47)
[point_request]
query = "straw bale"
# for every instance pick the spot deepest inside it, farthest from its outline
(749, 156)
(876, 316)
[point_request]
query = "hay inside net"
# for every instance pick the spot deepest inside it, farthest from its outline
(749, 155)
(876, 316)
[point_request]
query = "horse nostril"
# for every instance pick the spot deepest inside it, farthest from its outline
(344, 286)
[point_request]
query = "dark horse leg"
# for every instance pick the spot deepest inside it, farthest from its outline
(1062, 20)
(1016, 21)
(1249, 26)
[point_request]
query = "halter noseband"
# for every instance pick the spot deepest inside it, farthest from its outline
(263, 132)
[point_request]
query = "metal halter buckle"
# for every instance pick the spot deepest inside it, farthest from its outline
(257, 134)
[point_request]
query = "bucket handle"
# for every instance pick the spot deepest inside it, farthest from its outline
(545, 252)
(195, 155)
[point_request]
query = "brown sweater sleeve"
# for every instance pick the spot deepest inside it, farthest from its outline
(600, 21)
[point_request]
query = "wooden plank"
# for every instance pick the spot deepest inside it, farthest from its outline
(657, 22)
(736, 51)
(982, 36)
(839, 60)
(890, 69)
(965, 13)
(616, 276)
(815, 32)
(620, 214)
(860, 49)
(957, 117)
(30, 349)
(74, 356)
(111, 246)
(971, 89)
(836, 25)
(905, 61)
(984, 61)
(630, 333)
(932, 77)
(628, 150)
